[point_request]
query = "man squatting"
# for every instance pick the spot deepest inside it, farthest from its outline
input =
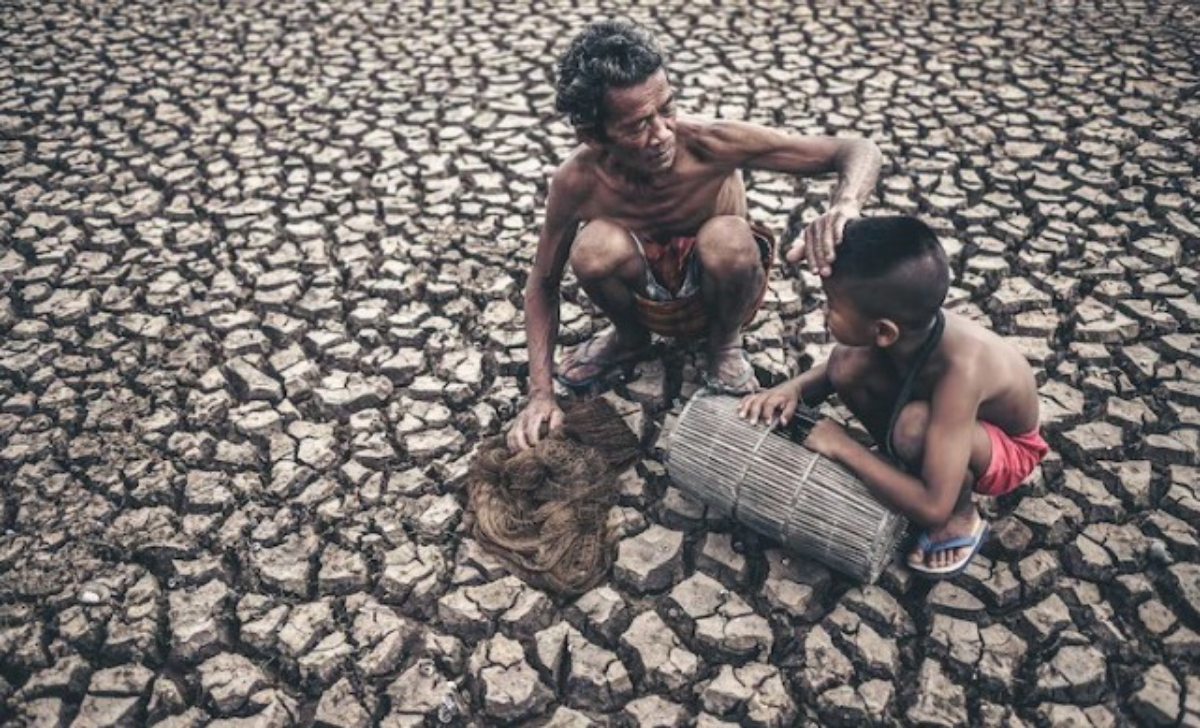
(650, 211)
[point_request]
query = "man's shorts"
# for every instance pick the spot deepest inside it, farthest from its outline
(1013, 459)
(671, 304)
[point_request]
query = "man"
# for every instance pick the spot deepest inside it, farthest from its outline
(650, 211)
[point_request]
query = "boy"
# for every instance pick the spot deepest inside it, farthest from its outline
(950, 400)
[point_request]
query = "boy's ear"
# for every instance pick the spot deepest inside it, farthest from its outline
(886, 333)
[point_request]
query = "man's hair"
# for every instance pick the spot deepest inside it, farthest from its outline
(606, 54)
(892, 267)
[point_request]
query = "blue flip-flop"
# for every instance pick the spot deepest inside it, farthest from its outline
(974, 542)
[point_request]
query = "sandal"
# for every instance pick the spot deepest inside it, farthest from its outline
(742, 383)
(972, 542)
(586, 355)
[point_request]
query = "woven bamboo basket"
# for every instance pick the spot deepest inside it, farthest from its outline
(763, 479)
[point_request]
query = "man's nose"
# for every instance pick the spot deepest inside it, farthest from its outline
(662, 133)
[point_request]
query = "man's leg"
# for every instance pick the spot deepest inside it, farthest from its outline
(731, 278)
(908, 442)
(610, 268)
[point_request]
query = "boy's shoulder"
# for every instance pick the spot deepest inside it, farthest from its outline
(976, 346)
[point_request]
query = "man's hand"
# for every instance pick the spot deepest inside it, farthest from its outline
(765, 406)
(821, 236)
(829, 439)
(527, 428)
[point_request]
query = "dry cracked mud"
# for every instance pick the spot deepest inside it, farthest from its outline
(260, 295)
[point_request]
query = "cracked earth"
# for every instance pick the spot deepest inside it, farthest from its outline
(260, 296)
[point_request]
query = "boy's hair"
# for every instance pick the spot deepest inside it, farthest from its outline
(606, 54)
(892, 267)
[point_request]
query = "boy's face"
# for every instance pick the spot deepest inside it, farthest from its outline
(848, 325)
(844, 322)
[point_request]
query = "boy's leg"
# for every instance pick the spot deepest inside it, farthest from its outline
(908, 442)
(868, 385)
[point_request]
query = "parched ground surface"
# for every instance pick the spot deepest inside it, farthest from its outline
(260, 296)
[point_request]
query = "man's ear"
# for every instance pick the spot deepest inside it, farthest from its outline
(589, 136)
(886, 333)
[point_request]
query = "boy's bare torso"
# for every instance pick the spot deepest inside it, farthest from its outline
(699, 187)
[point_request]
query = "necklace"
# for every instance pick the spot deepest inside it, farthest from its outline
(919, 362)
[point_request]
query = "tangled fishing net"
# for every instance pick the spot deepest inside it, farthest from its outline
(544, 511)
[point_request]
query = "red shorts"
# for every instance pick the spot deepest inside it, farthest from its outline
(1013, 459)
(669, 264)
(669, 261)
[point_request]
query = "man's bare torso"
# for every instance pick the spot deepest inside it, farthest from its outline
(696, 189)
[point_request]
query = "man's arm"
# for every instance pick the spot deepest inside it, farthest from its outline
(857, 162)
(542, 309)
(929, 500)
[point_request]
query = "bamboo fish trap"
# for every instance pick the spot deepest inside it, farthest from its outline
(761, 478)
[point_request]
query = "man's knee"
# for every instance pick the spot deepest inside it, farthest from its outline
(726, 245)
(602, 249)
(908, 436)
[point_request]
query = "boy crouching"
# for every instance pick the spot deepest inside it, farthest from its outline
(948, 399)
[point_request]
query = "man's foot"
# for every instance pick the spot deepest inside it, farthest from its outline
(946, 551)
(730, 371)
(599, 355)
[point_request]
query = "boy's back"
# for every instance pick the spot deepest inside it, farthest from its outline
(1007, 387)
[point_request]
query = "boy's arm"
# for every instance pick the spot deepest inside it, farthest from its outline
(811, 387)
(814, 386)
(953, 412)
(929, 500)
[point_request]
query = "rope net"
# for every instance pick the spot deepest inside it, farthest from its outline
(544, 511)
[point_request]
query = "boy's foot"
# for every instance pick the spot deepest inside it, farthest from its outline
(730, 371)
(585, 364)
(946, 551)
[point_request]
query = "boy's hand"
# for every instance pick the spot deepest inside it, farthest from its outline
(765, 406)
(828, 438)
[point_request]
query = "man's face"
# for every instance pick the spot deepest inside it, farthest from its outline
(640, 124)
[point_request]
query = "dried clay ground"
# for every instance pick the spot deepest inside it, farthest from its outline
(260, 296)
